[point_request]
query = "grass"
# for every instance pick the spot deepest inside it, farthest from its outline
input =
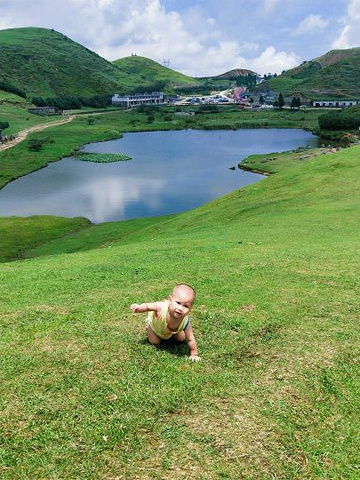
(275, 266)
(17, 116)
(18, 235)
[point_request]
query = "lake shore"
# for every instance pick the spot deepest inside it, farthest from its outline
(64, 140)
(117, 191)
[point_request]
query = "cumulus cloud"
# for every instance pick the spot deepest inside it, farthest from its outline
(311, 24)
(350, 34)
(195, 39)
(274, 62)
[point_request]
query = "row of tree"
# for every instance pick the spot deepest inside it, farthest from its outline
(69, 102)
(245, 81)
(8, 87)
(280, 102)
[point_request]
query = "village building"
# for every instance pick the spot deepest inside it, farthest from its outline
(47, 110)
(334, 103)
(128, 101)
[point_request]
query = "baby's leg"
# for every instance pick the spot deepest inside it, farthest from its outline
(152, 337)
(180, 336)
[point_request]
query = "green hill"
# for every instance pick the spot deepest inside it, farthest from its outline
(43, 62)
(46, 63)
(333, 75)
(149, 71)
(275, 265)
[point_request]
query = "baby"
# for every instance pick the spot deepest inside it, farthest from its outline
(170, 318)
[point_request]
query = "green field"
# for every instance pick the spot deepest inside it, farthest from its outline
(275, 266)
(16, 114)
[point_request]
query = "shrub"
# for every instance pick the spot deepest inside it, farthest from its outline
(345, 120)
(36, 144)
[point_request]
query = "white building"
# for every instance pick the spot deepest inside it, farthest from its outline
(334, 103)
(137, 99)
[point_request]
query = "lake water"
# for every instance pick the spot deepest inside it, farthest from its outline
(170, 172)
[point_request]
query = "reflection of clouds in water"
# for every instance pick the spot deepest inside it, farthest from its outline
(171, 172)
(100, 199)
(108, 195)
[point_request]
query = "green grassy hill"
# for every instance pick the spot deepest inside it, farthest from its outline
(148, 71)
(45, 63)
(275, 265)
(333, 75)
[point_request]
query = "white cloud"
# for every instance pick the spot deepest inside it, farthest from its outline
(249, 47)
(270, 5)
(350, 34)
(311, 24)
(274, 62)
(7, 22)
(196, 40)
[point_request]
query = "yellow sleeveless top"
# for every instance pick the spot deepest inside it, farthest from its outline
(159, 325)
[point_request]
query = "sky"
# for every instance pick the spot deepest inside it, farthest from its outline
(198, 37)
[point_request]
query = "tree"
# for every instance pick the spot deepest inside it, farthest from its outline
(280, 101)
(3, 125)
(294, 103)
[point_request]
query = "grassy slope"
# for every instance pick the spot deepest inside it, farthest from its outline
(275, 266)
(334, 75)
(18, 235)
(149, 71)
(17, 115)
(45, 63)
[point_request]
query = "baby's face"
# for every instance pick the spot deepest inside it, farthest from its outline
(181, 302)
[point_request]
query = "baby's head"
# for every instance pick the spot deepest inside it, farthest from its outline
(182, 298)
(185, 290)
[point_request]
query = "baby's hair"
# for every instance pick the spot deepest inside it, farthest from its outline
(181, 285)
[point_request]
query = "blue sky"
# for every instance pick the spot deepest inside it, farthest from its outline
(199, 37)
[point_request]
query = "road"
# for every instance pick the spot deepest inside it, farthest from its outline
(36, 128)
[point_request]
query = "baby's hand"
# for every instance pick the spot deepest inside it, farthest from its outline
(194, 358)
(134, 307)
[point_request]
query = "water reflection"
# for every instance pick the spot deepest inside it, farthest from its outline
(170, 172)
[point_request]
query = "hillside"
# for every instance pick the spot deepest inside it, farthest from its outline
(149, 71)
(275, 265)
(46, 63)
(233, 74)
(333, 75)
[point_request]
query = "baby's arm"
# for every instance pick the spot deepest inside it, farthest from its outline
(145, 307)
(192, 344)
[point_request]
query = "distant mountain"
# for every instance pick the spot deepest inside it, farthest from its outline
(41, 62)
(333, 75)
(233, 74)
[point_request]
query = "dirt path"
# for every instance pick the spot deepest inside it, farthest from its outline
(36, 128)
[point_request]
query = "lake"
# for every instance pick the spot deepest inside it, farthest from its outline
(170, 172)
